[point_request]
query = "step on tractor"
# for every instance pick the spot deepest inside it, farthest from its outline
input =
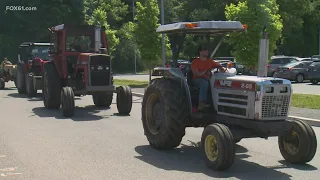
(81, 66)
(31, 58)
(8, 73)
(240, 106)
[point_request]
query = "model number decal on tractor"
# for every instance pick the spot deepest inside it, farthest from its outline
(246, 86)
(225, 83)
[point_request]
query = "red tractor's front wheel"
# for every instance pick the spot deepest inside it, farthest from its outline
(67, 102)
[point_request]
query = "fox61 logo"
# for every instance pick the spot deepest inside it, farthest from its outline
(20, 8)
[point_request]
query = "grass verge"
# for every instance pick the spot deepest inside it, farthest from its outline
(131, 83)
(306, 101)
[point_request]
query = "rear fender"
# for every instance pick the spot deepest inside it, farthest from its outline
(176, 75)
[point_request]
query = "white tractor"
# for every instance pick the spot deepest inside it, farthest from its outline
(241, 106)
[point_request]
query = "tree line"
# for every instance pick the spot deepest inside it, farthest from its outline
(131, 26)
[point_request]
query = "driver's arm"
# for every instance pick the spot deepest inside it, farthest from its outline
(195, 70)
(218, 65)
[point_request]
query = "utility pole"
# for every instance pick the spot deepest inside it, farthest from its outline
(319, 38)
(163, 42)
(135, 55)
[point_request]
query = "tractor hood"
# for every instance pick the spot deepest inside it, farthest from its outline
(251, 79)
(250, 83)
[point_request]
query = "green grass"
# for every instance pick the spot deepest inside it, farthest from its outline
(306, 101)
(131, 83)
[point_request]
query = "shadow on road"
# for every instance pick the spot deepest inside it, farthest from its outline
(190, 159)
(81, 113)
(17, 95)
(8, 89)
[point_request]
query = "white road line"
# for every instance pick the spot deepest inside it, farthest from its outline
(2, 156)
(9, 174)
(303, 118)
(8, 169)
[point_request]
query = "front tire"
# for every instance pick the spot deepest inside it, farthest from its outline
(51, 88)
(164, 113)
(300, 146)
(124, 100)
(102, 99)
(31, 92)
(219, 147)
(67, 102)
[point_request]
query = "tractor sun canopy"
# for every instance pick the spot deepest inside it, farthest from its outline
(203, 27)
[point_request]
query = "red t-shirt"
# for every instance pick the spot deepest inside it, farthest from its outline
(202, 66)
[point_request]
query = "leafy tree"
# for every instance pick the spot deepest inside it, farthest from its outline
(256, 14)
(148, 40)
(99, 17)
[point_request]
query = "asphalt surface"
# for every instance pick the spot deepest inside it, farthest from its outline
(38, 144)
(301, 88)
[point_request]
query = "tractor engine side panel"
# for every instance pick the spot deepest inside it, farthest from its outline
(234, 103)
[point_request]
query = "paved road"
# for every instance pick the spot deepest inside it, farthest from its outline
(38, 144)
(303, 88)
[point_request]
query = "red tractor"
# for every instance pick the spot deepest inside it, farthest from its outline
(31, 58)
(81, 66)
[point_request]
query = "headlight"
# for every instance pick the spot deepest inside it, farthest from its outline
(283, 89)
(269, 89)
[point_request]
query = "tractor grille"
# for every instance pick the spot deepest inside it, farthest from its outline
(275, 106)
(233, 104)
(100, 70)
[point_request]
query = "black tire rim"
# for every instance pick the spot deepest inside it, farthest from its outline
(155, 113)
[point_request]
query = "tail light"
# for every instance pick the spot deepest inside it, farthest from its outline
(180, 66)
(290, 69)
(268, 65)
(276, 70)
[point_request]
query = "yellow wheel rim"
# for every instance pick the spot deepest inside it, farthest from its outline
(290, 147)
(211, 148)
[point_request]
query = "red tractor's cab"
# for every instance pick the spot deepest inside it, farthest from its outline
(81, 66)
(31, 57)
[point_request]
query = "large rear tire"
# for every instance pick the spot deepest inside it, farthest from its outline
(102, 99)
(21, 80)
(67, 102)
(31, 92)
(164, 113)
(51, 88)
(2, 84)
(300, 146)
(219, 147)
(124, 100)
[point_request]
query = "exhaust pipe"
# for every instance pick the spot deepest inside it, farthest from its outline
(97, 38)
(263, 54)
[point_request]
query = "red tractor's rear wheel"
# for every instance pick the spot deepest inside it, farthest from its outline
(102, 99)
(21, 80)
(51, 88)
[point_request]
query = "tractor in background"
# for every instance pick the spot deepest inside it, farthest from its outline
(8, 73)
(81, 66)
(31, 57)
